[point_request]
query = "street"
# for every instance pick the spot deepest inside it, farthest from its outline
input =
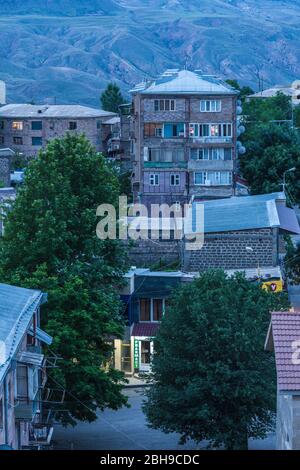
(126, 429)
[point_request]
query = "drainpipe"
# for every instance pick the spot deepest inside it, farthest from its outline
(6, 411)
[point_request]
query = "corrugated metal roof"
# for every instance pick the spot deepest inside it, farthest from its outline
(242, 213)
(285, 330)
(147, 330)
(17, 306)
(19, 111)
(185, 82)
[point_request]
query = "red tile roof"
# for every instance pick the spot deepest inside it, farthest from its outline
(145, 329)
(286, 329)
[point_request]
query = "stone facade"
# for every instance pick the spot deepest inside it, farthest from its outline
(228, 250)
(174, 153)
(28, 134)
(5, 168)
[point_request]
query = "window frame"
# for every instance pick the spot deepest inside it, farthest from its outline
(154, 179)
(71, 124)
(207, 176)
(34, 138)
(176, 177)
(210, 106)
(17, 125)
(17, 140)
(152, 299)
(160, 105)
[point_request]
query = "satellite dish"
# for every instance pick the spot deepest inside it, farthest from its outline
(296, 85)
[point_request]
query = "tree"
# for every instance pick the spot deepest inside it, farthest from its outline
(270, 151)
(244, 91)
(50, 243)
(212, 379)
(112, 98)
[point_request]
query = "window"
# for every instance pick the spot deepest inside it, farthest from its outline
(72, 125)
(22, 381)
(18, 140)
(37, 141)
(164, 105)
(36, 125)
(1, 139)
(210, 106)
(210, 130)
(215, 178)
(17, 125)
(98, 124)
(175, 180)
(151, 310)
(210, 153)
(1, 124)
(157, 309)
(154, 180)
(152, 129)
(35, 381)
(174, 129)
(145, 310)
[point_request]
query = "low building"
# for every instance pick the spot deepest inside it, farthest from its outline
(284, 338)
(27, 128)
(239, 232)
(293, 91)
(22, 369)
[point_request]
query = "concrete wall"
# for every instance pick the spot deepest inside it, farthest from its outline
(228, 251)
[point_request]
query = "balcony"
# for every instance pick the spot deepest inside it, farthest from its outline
(211, 140)
(24, 410)
(165, 164)
(213, 165)
(40, 434)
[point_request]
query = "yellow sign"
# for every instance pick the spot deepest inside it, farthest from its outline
(275, 285)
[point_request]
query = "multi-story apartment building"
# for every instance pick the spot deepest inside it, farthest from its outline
(185, 137)
(27, 128)
(22, 370)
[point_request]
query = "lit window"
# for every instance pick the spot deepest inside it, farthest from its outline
(17, 125)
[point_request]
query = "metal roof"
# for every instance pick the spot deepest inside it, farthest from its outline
(146, 330)
(19, 111)
(17, 306)
(185, 82)
(242, 213)
(283, 336)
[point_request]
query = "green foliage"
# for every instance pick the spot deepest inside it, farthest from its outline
(112, 98)
(2, 185)
(297, 116)
(212, 379)
(272, 147)
(244, 91)
(50, 243)
(19, 161)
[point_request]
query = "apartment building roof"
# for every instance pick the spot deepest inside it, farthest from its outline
(185, 82)
(17, 306)
(283, 337)
(242, 213)
(52, 111)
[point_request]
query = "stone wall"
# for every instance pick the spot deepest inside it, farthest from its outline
(5, 170)
(228, 250)
(146, 253)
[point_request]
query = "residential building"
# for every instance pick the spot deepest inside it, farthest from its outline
(185, 129)
(27, 128)
(284, 338)
(2, 93)
(22, 369)
(293, 91)
(239, 232)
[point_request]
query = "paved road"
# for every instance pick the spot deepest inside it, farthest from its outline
(126, 429)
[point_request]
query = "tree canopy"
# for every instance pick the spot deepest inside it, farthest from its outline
(212, 379)
(112, 98)
(50, 243)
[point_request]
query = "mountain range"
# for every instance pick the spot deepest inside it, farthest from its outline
(66, 51)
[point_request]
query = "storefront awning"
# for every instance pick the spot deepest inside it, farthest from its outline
(145, 330)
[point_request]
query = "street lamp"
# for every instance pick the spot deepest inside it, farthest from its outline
(284, 174)
(251, 250)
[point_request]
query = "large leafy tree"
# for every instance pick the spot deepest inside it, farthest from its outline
(271, 150)
(112, 98)
(50, 243)
(212, 379)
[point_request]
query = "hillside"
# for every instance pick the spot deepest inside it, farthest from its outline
(67, 50)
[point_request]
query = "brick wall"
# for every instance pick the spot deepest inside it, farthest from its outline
(228, 251)
(146, 253)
